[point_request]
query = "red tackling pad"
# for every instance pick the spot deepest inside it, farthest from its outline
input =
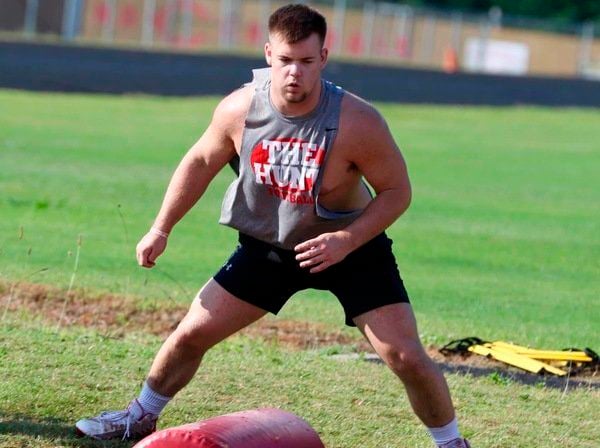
(257, 428)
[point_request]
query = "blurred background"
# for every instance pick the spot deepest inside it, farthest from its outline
(533, 37)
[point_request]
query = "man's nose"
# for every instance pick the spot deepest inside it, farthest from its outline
(295, 70)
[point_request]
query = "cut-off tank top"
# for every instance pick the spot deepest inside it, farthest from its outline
(275, 197)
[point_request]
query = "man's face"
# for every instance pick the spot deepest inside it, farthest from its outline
(295, 68)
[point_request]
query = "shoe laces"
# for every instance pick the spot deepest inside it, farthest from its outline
(115, 416)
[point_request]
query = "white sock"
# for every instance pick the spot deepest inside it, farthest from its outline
(446, 433)
(150, 401)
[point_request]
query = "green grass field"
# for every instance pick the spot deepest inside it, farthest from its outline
(502, 241)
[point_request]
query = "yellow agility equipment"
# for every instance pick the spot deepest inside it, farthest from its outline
(514, 359)
(553, 355)
(531, 360)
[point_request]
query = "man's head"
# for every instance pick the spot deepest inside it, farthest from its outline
(296, 54)
(297, 22)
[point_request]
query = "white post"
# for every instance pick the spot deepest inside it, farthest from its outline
(69, 20)
(228, 35)
(148, 22)
(385, 33)
(402, 28)
(265, 12)
(585, 48)
(339, 19)
(108, 28)
(236, 12)
(368, 22)
(495, 14)
(428, 39)
(187, 22)
(492, 20)
(170, 21)
(456, 38)
(225, 24)
(484, 36)
(31, 12)
(399, 26)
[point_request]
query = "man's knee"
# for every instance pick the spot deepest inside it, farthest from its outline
(407, 359)
(194, 339)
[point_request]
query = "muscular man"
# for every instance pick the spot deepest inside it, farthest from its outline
(304, 214)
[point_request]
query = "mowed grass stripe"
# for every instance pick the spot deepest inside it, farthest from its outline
(501, 240)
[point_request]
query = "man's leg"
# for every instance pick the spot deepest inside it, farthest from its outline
(392, 331)
(214, 315)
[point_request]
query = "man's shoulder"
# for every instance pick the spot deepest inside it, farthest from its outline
(358, 114)
(234, 107)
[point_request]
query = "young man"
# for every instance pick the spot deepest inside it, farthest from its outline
(304, 215)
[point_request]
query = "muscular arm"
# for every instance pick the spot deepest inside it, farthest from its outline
(368, 145)
(378, 158)
(194, 173)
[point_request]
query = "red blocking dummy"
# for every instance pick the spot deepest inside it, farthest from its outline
(257, 428)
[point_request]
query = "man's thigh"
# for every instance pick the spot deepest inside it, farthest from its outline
(216, 314)
(389, 326)
(367, 279)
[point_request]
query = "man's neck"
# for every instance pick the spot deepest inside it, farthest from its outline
(291, 109)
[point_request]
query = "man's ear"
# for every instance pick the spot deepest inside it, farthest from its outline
(324, 56)
(268, 53)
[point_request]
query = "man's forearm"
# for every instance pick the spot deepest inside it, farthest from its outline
(185, 188)
(381, 212)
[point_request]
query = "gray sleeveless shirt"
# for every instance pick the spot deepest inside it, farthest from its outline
(281, 164)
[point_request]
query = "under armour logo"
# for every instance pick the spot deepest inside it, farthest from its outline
(228, 266)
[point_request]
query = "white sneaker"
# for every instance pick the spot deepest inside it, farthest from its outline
(119, 424)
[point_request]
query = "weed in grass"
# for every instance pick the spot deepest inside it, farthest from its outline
(170, 277)
(499, 378)
(127, 246)
(71, 282)
(13, 289)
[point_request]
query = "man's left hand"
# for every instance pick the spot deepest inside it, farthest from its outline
(323, 251)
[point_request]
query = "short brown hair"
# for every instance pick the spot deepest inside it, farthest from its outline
(297, 22)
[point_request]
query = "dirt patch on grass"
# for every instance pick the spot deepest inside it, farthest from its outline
(116, 316)
(106, 313)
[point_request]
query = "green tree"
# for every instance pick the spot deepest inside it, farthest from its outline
(565, 10)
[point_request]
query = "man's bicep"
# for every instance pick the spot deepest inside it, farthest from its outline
(380, 161)
(214, 148)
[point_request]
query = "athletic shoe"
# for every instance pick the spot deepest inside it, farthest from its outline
(456, 443)
(118, 424)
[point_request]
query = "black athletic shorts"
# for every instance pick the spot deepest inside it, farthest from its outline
(267, 276)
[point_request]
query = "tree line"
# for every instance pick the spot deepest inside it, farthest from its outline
(567, 11)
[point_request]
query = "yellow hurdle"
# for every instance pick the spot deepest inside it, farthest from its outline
(515, 359)
(529, 359)
(552, 355)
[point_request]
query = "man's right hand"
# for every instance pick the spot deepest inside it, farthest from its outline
(150, 247)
